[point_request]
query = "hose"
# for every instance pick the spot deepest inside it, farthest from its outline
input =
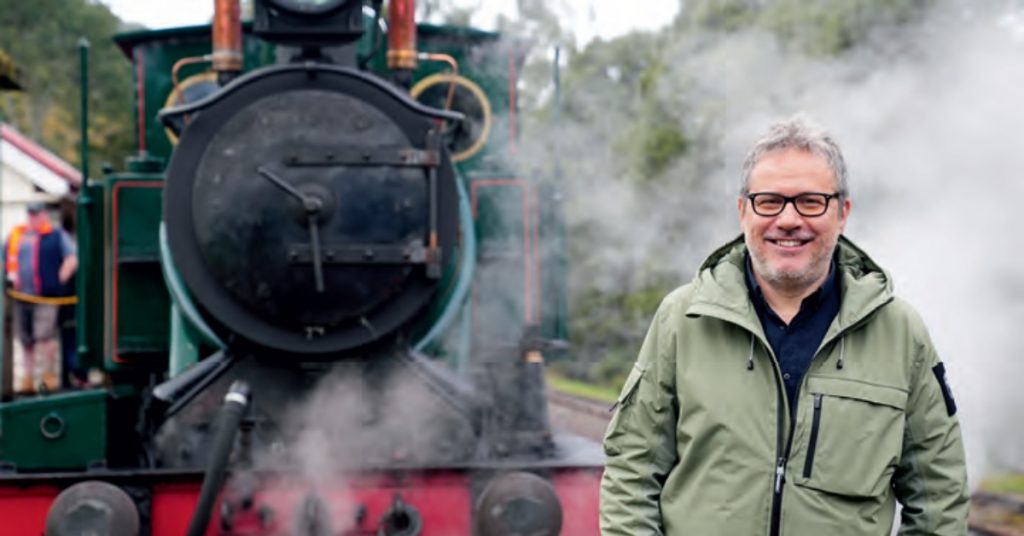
(235, 404)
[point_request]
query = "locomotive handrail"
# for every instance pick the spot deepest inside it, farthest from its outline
(180, 297)
(42, 300)
(465, 274)
(168, 115)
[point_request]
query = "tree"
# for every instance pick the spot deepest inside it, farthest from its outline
(42, 37)
(820, 27)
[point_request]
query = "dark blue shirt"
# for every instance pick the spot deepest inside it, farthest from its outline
(795, 344)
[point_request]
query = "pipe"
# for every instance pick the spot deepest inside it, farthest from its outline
(451, 61)
(198, 383)
(187, 61)
(83, 225)
(227, 40)
(235, 404)
(402, 34)
(174, 389)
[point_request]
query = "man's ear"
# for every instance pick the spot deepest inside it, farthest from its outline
(844, 214)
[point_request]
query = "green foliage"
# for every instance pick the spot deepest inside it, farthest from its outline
(1009, 483)
(574, 387)
(42, 37)
(659, 143)
(618, 65)
(8, 72)
(720, 15)
(628, 71)
(819, 27)
(607, 326)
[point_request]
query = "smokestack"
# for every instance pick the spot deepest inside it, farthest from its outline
(402, 35)
(227, 39)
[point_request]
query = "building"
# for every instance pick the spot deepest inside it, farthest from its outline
(29, 172)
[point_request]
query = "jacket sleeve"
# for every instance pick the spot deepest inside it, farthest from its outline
(640, 442)
(931, 479)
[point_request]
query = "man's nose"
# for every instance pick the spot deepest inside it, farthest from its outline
(789, 217)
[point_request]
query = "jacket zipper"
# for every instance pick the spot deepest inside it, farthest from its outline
(815, 423)
(780, 463)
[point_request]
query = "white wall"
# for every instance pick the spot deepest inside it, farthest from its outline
(16, 190)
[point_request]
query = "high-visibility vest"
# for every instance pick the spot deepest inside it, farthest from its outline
(14, 247)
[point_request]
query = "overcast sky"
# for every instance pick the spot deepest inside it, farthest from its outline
(606, 18)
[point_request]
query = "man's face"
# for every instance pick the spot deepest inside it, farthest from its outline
(790, 251)
(36, 219)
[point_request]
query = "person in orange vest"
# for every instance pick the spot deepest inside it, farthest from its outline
(40, 259)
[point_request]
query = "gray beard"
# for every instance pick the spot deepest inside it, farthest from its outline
(793, 282)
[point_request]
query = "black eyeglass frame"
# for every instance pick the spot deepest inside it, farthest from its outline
(792, 199)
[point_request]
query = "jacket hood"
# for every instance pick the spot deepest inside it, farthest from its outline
(720, 287)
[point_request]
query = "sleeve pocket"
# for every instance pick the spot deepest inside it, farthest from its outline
(621, 421)
(629, 389)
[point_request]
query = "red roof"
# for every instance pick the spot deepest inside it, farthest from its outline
(40, 154)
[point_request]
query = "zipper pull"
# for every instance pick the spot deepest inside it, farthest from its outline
(817, 401)
(780, 474)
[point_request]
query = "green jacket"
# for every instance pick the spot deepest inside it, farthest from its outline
(700, 440)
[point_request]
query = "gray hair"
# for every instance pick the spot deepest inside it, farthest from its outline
(798, 132)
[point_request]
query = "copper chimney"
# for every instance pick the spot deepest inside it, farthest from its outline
(227, 39)
(402, 34)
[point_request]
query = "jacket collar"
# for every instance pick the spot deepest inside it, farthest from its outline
(720, 288)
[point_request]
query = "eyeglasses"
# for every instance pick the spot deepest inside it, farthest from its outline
(809, 204)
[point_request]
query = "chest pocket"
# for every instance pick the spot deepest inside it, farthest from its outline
(851, 437)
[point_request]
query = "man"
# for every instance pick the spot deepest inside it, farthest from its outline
(40, 260)
(786, 390)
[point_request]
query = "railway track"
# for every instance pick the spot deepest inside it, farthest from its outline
(994, 514)
(580, 415)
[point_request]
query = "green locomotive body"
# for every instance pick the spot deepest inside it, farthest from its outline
(500, 288)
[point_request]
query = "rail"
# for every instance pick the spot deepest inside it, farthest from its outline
(996, 514)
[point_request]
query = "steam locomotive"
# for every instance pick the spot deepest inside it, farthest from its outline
(329, 313)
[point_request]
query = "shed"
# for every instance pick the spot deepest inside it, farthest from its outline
(29, 172)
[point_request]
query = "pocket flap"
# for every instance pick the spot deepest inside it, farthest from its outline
(876, 394)
(631, 384)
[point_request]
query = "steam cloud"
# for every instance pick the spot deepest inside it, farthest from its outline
(929, 119)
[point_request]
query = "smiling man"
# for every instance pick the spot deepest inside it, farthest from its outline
(786, 391)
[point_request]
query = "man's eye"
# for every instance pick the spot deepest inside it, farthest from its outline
(769, 202)
(810, 202)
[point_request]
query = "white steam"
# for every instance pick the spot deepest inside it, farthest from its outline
(931, 138)
(929, 119)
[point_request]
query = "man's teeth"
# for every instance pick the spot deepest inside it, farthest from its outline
(789, 243)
